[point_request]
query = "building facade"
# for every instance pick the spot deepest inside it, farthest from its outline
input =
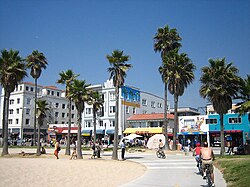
(21, 109)
(131, 101)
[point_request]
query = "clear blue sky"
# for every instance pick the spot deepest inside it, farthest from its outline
(78, 35)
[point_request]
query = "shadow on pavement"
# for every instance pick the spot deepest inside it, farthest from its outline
(134, 157)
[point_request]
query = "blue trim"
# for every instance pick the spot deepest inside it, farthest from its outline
(110, 131)
(87, 131)
(100, 131)
(192, 133)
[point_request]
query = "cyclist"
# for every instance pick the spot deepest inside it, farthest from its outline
(207, 155)
(196, 153)
(161, 146)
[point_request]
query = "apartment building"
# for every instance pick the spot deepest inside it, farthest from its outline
(131, 101)
(21, 109)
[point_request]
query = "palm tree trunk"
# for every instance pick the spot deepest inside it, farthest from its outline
(175, 121)
(67, 152)
(94, 121)
(5, 125)
(79, 144)
(34, 140)
(165, 122)
(3, 120)
(38, 151)
(222, 150)
(115, 148)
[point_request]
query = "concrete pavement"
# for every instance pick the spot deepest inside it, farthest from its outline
(175, 171)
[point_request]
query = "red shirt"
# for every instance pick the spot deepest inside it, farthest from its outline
(197, 150)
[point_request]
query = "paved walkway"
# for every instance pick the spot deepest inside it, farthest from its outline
(175, 171)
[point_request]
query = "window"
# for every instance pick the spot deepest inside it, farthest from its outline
(11, 101)
(63, 122)
(18, 100)
(88, 110)
(112, 123)
(101, 123)
(134, 110)
(72, 116)
(21, 88)
(63, 115)
(17, 120)
(27, 121)
(57, 105)
(11, 111)
(73, 107)
(63, 106)
(88, 124)
(159, 105)
(27, 88)
(10, 121)
(27, 111)
(56, 122)
(112, 96)
(234, 120)
(52, 92)
(144, 102)
(152, 104)
(211, 121)
(127, 110)
(112, 109)
(58, 94)
(31, 89)
(56, 114)
(17, 110)
(48, 92)
(28, 101)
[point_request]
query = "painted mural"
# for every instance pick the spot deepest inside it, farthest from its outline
(131, 97)
(190, 124)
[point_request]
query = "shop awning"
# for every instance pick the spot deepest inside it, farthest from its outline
(192, 133)
(100, 131)
(110, 131)
(71, 131)
(86, 132)
(149, 130)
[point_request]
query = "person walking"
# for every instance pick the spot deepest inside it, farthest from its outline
(123, 146)
(57, 149)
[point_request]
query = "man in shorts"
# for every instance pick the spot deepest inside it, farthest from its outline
(207, 157)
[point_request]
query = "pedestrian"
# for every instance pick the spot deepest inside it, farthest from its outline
(94, 150)
(73, 155)
(123, 146)
(57, 149)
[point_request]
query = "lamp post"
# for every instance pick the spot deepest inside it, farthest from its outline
(22, 124)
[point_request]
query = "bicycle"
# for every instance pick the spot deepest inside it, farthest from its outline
(208, 175)
(160, 154)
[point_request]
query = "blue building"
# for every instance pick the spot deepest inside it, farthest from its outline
(236, 128)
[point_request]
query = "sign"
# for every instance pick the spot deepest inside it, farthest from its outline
(131, 96)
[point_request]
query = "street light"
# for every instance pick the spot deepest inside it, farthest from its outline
(22, 124)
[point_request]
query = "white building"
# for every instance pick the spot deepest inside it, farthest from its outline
(21, 109)
(131, 101)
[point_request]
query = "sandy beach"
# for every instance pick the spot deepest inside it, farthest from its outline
(30, 170)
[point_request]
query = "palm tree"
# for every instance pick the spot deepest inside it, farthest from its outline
(165, 40)
(97, 102)
(244, 96)
(12, 72)
(117, 72)
(37, 62)
(220, 83)
(67, 78)
(79, 94)
(179, 70)
(42, 108)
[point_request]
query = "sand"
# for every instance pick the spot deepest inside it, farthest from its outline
(30, 170)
